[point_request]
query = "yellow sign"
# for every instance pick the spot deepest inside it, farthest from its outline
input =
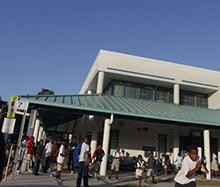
(12, 107)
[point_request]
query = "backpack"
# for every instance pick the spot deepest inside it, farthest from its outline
(76, 155)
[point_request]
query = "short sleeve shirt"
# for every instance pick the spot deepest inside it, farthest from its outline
(84, 149)
(48, 149)
(187, 166)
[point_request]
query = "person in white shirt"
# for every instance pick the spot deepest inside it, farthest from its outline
(214, 165)
(178, 162)
(140, 169)
(60, 161)
(84, 161)
(115, 163)
(47, 154)
(190, 165)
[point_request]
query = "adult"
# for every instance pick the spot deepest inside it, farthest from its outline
(83, 167)
(2, 155)
(47, 155)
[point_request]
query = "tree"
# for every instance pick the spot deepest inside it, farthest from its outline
(45, 91)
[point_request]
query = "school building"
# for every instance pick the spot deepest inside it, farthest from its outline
(139, 104)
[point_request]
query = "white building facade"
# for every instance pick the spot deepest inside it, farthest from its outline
(128, 76)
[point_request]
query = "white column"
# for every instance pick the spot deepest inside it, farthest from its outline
(31, 123)
(176, 94)
(206, 135)
(175, 147)
(218, 142)
(105, 144)
(40, 134)
(89, 92)
(94, 139)
(99, 88)
(36, 130)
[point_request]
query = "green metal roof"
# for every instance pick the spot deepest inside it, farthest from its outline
(130, 107)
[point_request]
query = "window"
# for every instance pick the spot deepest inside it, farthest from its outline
(162, 144)
(118, 89)
(162, 95)
(188, 100)
(201, 101)
(130, 91)
(146, 93)
(114, 139)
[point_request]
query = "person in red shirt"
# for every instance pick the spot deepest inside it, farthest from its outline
(30, 145)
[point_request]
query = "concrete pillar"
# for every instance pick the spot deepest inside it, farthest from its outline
(36, 130)
(218, 151)
(31, 123)
(40, 135)
(105, 144)
(99, 88)
(176, 94)
(176, 145)
(89, 92)
(206, 135)
(94, 140)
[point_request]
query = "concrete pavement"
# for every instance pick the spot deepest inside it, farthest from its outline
(44, 180)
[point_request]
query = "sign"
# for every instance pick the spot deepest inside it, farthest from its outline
(11, 107)
(8, 125)
(21, 105)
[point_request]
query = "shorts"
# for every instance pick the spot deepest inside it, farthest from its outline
(115, 164)
(150, 172)
(139, 173)
(29, 157)
(214, 166)
(59, 167)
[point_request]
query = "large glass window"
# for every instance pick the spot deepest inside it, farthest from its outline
(202, 101)
(194, 99)
(130, 91)
(162, 95)
(119, 89)
(146, 93)
(188, 100)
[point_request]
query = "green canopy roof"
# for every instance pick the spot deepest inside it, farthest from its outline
(137, 108)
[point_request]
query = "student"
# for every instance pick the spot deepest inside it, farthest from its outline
(178, 162)
(97, 156)
(83, 167)
(150, 167)
(214, 165)
(47, 154)
(115, 163)
(190, 165)
(139, 169)
(60, 161)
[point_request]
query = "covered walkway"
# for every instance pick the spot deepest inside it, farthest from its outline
(68, 114)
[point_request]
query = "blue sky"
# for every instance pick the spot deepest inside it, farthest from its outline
(52, 44)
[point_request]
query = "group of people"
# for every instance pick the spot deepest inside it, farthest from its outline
(32, 156)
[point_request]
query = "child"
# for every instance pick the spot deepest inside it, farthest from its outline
(60, 161)
(139, 169)
(150, 167)
(190, 165)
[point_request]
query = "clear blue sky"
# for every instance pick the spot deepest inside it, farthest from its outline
(52, 44)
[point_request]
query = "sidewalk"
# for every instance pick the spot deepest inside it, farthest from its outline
(45, 180)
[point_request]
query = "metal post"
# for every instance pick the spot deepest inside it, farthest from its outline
(19, 143)
(9, 158)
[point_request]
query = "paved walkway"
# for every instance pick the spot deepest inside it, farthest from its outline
(45, 180)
